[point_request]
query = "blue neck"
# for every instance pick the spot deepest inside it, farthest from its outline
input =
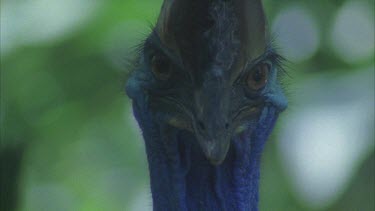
(183, 179)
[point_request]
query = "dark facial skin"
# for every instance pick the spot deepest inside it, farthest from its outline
(217, 106)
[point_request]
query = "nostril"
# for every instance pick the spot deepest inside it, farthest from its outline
(201, 126)
(227, 126)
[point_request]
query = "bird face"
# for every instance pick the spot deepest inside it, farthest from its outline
(206, 74)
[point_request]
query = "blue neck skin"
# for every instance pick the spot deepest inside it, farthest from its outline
(183, 179)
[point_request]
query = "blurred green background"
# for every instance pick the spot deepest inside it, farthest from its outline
(69, 141)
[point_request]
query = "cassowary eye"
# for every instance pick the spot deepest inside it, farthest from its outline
(161, 67)
(258, 77)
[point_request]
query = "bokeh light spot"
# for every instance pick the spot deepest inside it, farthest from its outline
(352, 35)
(40, 21)
(328, 136)
(297, 33)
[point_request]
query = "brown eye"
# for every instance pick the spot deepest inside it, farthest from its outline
(160, 67)
(258, 77)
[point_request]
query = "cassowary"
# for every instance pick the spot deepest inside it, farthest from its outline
(206, 94)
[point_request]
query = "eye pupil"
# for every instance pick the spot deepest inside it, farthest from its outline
(160, 67)
(258, 77)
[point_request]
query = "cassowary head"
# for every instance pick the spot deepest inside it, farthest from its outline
(208, 68)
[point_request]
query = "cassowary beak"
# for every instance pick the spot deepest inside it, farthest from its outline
(212, 127)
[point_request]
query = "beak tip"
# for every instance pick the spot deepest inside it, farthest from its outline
(214, 147)
(216, 162)
(216, 155)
